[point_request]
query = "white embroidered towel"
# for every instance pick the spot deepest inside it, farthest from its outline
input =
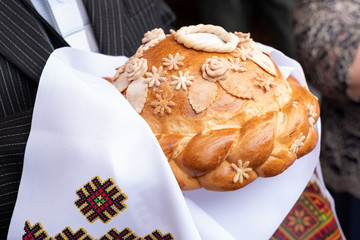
(93, 168)
(92, 165)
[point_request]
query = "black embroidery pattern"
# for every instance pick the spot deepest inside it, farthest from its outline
(125, 234)
(157, 235)
(37, 232)
(69, 234)
(99, 200)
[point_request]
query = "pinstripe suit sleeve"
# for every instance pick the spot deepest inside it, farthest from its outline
(17, 96)
(26, 53)
(14, 131)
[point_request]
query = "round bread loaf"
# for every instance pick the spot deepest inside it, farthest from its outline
(219, 106)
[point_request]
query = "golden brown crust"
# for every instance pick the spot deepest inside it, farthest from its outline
(205, 151)
(222, 119)
(256, 141)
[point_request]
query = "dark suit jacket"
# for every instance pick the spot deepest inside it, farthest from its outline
(26, 41)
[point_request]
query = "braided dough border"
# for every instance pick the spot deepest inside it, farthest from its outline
(230, 39)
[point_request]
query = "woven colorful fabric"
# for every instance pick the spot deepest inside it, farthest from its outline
(310, 218)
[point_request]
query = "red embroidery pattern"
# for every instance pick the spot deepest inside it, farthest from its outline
(99, 200)
(125, 234)
(68, 234)
(37, 232)
(157, 235)
(310, 218)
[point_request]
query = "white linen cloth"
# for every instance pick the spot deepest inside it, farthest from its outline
(84, 128)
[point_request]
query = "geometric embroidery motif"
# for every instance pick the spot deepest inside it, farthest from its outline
(125, 234)
(35, 232)
(68, 234)
(300, 221)
(157, 235)
(98, 200)
(310, 218)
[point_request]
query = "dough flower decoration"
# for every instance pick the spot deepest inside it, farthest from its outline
(299, 142)
(163, 104)
(173, 62)
(135, 68)
(243, 53)
(140, 52)
(257, 56)
(241, 171)
(312, 118)
(119, 71)
(215, 69)
(182, 80)
(265, 82)
(153, 37)
(236, 65)
(245, 40)
(156, 76)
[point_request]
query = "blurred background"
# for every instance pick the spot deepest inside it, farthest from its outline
(268, 22)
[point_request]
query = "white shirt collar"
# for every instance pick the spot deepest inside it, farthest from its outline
(69, 18)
